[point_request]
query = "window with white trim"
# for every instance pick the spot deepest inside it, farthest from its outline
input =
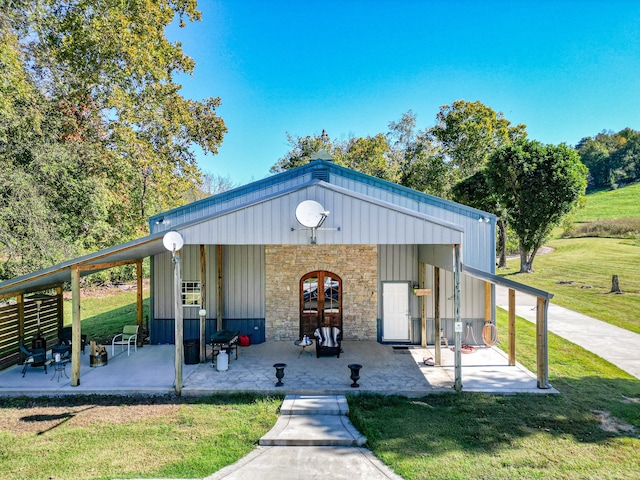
(191, 294)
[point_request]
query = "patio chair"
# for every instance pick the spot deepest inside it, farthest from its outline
(328, 341)
(129, 335)
(65, 337)
(36, 358)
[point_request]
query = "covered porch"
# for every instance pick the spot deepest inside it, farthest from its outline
(385, 370)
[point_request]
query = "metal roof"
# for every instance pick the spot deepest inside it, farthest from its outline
(505, 282)
(91, 263)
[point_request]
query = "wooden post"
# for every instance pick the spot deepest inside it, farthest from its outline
(203, 303)
(436, 315)
(139, 306)
(20, 304)
(177, 293)
(423, 305)
(487, 301)
(512, 327)
(75, 326)
(60, 301)
(220, 290)
(542, 351)
(457, 320)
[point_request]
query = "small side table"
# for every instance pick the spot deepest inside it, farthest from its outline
(59, 368)
(299, 343)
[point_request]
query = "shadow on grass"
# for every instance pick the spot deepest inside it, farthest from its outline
(484, 423)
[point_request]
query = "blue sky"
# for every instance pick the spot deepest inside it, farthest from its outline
(566, 69)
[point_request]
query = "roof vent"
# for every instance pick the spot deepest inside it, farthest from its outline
(320, 174)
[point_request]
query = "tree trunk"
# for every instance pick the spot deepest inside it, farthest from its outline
(615, 285)
(502, 243)
(526, 260)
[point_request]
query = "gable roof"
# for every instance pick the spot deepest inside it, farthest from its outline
(383, 212)
(323, 170)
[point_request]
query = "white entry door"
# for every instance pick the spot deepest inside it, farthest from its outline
(395, 312)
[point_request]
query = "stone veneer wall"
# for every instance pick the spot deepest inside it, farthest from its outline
(356, 265)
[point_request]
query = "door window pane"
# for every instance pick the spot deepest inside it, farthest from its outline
(310, 295)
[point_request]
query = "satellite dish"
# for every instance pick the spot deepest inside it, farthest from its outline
(172, 241)
(311, 214)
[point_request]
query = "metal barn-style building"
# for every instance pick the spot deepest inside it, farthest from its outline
(318, 245)
(248, 261)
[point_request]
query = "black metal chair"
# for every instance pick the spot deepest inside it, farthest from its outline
(65, 336)
(35, 358)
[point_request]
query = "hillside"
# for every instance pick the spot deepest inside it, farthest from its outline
(607, 204)
(578, 271)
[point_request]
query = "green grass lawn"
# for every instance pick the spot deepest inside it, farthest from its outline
(607, 204)
(106, 437)
(589, 264)
(446, 436)
(462, 436)
(104, 316)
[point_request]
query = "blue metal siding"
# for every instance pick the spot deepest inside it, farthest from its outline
(163, 329)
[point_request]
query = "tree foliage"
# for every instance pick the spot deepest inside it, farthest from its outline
(92, 118)
(538, 185)
(613, 159)
(468, 132)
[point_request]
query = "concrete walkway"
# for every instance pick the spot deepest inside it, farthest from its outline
(312, 438)
(616, 345)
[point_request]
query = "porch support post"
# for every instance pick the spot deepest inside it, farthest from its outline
(140, 340)
(177, 297)
(436, 315)
(203, 303)
(542, 351)
(457, 320)
(512, 327)
(60, 307)
(20, 304)
(423, 305)
(487, 301)
(75, 326)
(220, 290)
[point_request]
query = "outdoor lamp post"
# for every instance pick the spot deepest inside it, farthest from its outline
(173, 242)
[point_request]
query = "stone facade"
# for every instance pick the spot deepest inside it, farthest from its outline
(356, 265)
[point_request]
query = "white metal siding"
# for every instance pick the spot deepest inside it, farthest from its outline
(360, 222)
(243, 281)
(244, 278)
(398, 263)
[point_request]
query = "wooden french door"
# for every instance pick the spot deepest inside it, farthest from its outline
(320, 301)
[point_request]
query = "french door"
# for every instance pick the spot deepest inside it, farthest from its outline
(320, 301)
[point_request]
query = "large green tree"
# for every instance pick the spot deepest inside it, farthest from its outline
(92, 116)
(469, 132)
(538, 185)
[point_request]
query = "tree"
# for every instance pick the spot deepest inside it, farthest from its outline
(476, 192)
(421, 163)
(302, 148)
(369, 155)
(468, 132)
(91, 115)
(538, 185)
(612, 158)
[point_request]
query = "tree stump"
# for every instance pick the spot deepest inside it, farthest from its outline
(615, 285)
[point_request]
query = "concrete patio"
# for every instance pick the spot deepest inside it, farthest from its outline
(385, 370)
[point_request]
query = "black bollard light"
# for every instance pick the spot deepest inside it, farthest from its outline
(279, 373)
(355, 374)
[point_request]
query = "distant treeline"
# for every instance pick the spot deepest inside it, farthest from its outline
(613, 159)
